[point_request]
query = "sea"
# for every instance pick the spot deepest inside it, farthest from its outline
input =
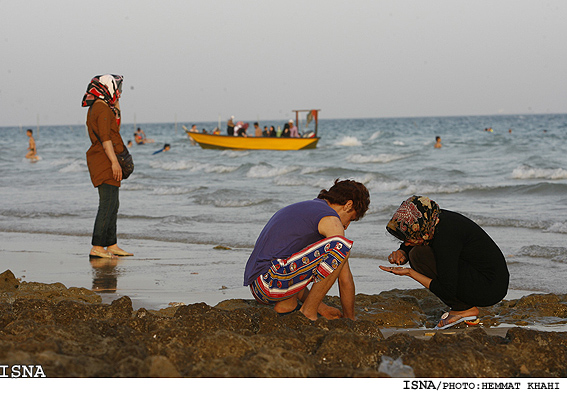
(191, 216)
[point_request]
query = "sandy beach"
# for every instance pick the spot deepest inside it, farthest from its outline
(112, 319)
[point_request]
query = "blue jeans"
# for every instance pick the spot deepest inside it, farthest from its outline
(104, 232)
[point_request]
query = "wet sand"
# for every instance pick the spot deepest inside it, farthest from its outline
(59, 322)
(159, 273)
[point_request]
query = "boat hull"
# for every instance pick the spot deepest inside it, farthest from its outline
(215, 141)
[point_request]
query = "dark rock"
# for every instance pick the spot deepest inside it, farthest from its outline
(70, 333)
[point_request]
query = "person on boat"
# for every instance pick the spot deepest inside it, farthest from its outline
(305, 243)
(103, 124)
(257, 130)
(230, 126)
(240, 129)
(272, 132)
(450, 255)
(265, 132)
(293, 133)
(285, 131)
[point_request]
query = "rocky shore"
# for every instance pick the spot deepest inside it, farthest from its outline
(69, 332)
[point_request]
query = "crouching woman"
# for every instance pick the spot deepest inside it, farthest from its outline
(450, 255)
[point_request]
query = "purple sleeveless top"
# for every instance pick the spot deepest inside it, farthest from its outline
(290, 230)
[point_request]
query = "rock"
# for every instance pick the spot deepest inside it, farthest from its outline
(8, 282)
(70, 333)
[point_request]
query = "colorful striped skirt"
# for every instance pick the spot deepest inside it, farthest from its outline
(287, 277)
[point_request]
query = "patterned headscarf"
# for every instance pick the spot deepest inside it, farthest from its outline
(106, 87)
(415, 219)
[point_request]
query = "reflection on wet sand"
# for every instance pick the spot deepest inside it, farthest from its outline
(105, 275)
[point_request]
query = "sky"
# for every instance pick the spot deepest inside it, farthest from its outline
(195, 61)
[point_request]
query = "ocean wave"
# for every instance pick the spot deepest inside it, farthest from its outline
(313, 170)
(220, 169)
(229, 199)
(290, 181)
(62, 161)
(560, 227)
(265, 171)
(173, 165)
(74, 166)
(175, 190)
(544, 225)
(192, 166)
(527, 172)
(10, 213)
(349, 141)
(407, 187)
(235, 153)
(221, 203)
(381, 158)
(132, 186)
(553, 253)
(375, 135)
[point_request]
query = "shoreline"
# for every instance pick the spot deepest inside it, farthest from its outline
(158, 274)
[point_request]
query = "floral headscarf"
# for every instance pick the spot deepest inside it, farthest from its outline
(415, 219)
(106, 87)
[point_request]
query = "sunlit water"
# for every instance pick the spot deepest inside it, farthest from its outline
(513, 184)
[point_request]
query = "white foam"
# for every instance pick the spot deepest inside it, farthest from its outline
(220, 169)
(349, 141)
(526, 172)
(375, 135)
(192, 166)
(235, 153)
(289, 181)
(264, 171)
(559, 227)
(174, 165)
(164, 190)
(312, 170)
(408, 187)
(381, 158)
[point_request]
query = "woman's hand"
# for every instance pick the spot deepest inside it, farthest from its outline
(397, 270)
(116, 171)
(398, 257)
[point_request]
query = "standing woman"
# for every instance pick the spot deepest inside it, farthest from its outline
(450, 255)
(103, 123)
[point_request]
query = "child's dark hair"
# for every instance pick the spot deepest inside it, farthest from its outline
(343, 191)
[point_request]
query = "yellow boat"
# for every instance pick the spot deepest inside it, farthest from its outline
(218, 141)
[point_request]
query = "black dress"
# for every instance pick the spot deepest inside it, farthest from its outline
(470, 266)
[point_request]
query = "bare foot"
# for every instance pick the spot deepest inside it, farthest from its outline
(329, 312)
